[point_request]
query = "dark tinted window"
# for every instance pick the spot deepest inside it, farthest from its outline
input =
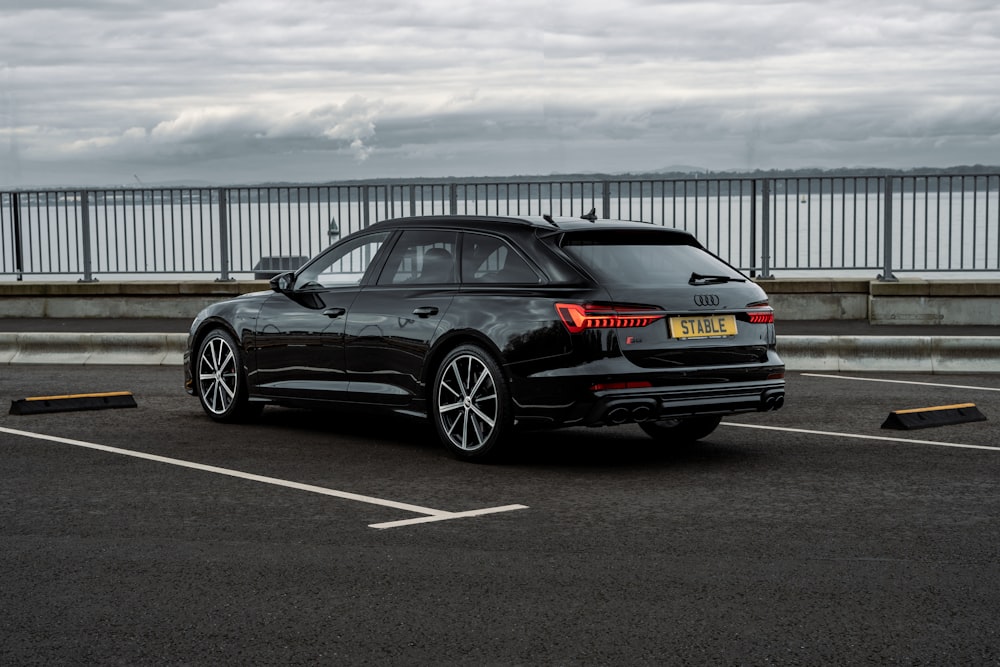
(639, 258)
(422, 257)
(487, 259)
(344, 265)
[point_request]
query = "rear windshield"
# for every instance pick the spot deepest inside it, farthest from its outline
(639, 258)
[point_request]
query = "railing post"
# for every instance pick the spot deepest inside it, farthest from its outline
(223, 236)
(453, 199)
(15, 216)
(88, 263)
(886, 275)
(606, 200)
(765, 253)
(366, 206)
(753, 226)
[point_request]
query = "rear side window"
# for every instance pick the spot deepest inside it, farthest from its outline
(487, 259)
(423, 257)
(640, 258)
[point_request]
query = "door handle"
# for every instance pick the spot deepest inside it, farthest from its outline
(334, 312)
(425, 311)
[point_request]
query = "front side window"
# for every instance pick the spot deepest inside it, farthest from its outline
(422, 257)
(343, 265)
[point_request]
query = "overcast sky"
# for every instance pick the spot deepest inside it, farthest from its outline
(111, 92)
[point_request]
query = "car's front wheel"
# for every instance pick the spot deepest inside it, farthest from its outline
(471, 404)
(681, 431)
(222, 386)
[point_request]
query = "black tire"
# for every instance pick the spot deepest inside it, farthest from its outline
(681, 431)
(470, 404)
(221, 379)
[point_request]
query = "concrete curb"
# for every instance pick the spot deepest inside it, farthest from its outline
(848, 354)
(142, 349)
(909, 354)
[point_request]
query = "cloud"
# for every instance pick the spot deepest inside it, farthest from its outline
(447, 86)
(200, 124)
(225, 130)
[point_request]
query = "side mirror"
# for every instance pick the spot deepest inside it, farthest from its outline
(283, 282)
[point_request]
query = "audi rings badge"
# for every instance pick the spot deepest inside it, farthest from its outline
(706, 300)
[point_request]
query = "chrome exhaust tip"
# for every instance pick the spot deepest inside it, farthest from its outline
(641, 413)
(618, 416)
(772, 400)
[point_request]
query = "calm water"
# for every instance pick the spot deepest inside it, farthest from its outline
(934, 235)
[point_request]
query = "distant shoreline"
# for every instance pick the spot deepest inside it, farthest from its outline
(669, 174)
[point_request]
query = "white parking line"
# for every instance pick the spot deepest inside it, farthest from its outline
(926, 384)
(448, 515)
(858, 436)
(429, 513)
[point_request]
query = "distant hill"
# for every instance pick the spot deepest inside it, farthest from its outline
(689, 172)
(675, 172)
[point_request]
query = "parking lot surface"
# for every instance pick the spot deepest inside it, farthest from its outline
(811, 535)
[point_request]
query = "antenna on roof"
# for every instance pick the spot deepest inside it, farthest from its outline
(592, 216)
(547, 217)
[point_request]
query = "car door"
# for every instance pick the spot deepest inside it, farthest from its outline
(299, 334)
(393, 322)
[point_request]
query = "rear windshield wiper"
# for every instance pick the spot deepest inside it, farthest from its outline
(699, 279)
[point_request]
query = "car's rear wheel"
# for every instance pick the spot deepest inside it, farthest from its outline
(222, 386)
(471, 404)
(680, 431)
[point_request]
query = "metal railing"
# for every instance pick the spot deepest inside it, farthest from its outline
(888, 224)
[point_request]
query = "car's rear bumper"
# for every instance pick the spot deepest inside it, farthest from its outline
(615, 391)
(631, 405)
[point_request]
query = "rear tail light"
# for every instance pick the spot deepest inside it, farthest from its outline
(761, 316)
(579, 317)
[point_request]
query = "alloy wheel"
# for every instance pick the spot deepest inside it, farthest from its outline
(467, 402)
(217, 376)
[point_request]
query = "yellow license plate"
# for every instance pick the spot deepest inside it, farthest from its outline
(704, 326)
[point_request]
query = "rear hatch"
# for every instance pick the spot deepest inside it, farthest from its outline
(674, 303)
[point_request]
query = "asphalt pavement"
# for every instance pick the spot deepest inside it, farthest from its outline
(807, 536)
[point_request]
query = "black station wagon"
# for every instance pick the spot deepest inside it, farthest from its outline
(488, 324)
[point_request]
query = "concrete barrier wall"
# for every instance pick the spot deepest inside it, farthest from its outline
(119, 299)
(931, 302)
(909, 301)
(818, 299)
(906, 302)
